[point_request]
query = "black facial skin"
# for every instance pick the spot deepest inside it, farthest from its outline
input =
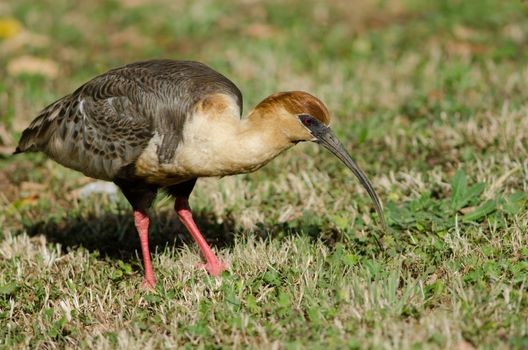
(326, 137)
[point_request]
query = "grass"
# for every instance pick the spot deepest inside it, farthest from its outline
(429, 97)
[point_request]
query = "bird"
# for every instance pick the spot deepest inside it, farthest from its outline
(159, 125)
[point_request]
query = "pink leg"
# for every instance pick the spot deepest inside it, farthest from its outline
(213, 265)
(142, 222)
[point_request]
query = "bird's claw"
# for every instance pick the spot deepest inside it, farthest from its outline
(214, 268)
(148, 284)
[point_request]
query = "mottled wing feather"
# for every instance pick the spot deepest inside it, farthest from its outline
(42, 127)
(106, 124)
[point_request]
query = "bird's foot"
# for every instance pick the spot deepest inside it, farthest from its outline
(148, 283)
(214, 268)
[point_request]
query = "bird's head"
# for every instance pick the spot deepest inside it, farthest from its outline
(303, 117)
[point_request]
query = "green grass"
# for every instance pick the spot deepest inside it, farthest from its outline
(429, 97)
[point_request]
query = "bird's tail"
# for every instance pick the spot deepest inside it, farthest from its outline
(38, 133)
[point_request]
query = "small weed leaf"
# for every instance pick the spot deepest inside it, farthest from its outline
(271, 277)
(481, 212)
(458, 189)
(283, 300)
(152, 298)
(461, 195)
(515, 203)
(8, 288)
(251, 304)
(125, 268)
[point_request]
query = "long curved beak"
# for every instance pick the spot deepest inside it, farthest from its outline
(326, 137)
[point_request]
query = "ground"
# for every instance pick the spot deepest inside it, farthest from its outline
(430, 98)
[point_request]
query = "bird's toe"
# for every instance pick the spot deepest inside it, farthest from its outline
(214, 268)
(148, 284)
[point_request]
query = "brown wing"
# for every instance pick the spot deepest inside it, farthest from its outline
(106, 124)
(97, 130)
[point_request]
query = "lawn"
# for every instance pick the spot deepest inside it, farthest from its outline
(430, 98)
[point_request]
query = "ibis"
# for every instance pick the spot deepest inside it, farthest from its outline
(162, 124)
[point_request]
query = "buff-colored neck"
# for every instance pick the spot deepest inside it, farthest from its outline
(221, 144)
(217, 143)
(250, 143)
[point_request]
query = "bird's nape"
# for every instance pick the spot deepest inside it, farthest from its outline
(326, 137)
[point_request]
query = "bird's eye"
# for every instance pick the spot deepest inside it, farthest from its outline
(307, 120)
